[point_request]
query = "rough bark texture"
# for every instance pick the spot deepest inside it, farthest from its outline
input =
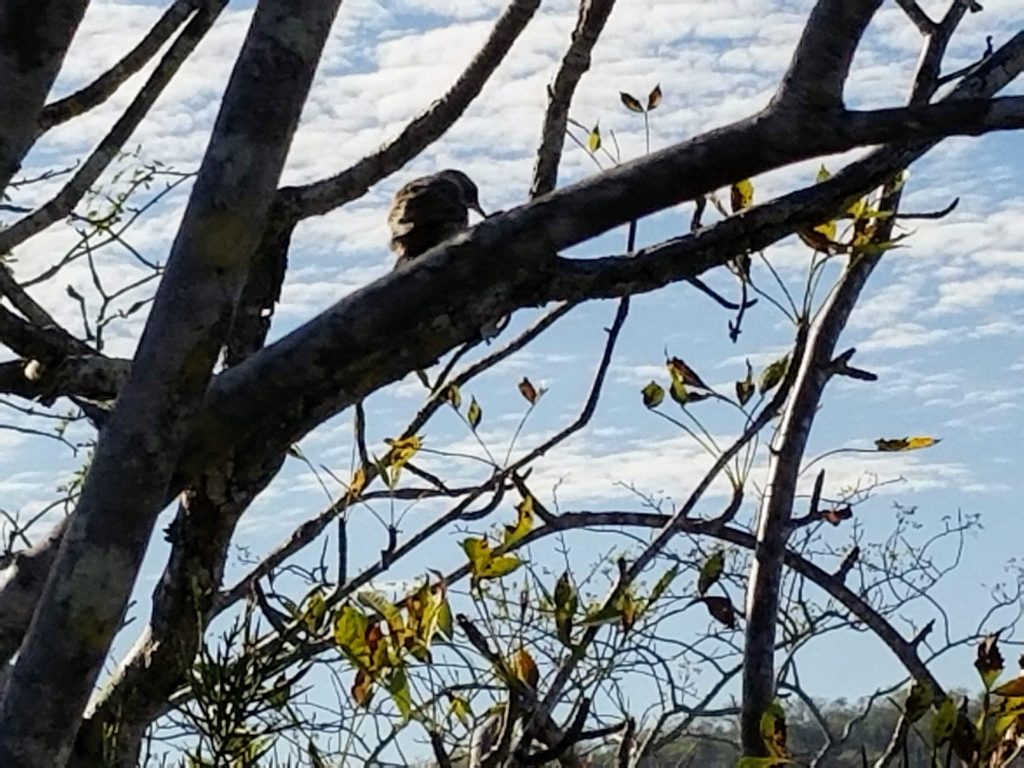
(100, 554)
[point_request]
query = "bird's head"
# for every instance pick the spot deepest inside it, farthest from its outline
(467, 189)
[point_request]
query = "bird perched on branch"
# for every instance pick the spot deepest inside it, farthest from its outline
(428, 211)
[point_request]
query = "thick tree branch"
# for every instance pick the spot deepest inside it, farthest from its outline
(821, 63)
(138, 691)
(103, 87)
(34, 38)
(91, 581)
(593, 14)
(263, 288)
(765, 580)
(917, 15)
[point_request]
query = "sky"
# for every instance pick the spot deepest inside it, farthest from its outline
(940, 322)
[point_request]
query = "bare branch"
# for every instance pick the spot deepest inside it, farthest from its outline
(322, 196)
(108, 149)
(103, 87)
(589, 23)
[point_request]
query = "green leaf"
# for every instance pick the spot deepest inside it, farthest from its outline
(280, 694)
(350, 627)
(444, 620)
(653, 395)
(772, 375)
(663, 584)
(710, 572)
(919, 700)
(631, 102)
(944, 721)
(398, 687)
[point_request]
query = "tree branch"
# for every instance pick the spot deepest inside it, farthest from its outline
(593, 14)
(69, 196)
(89, 586)
(34, 38)
(821, 63)
(263, 288)
(103, 87)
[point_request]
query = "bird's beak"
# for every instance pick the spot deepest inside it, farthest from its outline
(476, 207)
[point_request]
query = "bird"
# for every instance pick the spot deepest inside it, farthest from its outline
(428, 211)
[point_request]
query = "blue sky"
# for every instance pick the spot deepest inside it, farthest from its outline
(940, 323)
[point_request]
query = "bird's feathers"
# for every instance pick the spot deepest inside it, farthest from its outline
(428, 211)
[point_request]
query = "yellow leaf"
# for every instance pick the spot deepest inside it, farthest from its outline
(474, 414)
(315, 611)
(484, 565)
(594, 139)
(741, 195)
(477, 549)
(828, 230)
(454, 396)
(401, 451)
(460, 708)
(357, 484)
(892, 445)
(629, 610)
(823, 174)
(524, 522)
(653, 395)
(773, 730)
(500, 566)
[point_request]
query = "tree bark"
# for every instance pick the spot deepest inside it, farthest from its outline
(88, 589)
